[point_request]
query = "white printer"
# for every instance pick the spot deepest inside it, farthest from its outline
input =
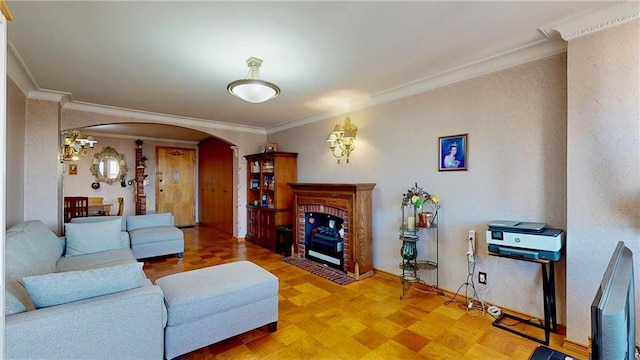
(527, 239)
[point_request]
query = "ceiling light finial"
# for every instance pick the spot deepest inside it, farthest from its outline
(253, 89)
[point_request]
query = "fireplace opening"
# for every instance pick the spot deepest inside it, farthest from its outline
(324, 239)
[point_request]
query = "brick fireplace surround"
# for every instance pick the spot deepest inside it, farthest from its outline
(352, 203)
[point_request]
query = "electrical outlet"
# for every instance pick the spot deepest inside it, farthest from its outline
(482, 278)
(472, 246)
(472, 236)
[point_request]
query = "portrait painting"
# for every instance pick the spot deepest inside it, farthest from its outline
(73, 169)
(453, 152)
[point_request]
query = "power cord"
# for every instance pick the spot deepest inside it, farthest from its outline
(470, 302)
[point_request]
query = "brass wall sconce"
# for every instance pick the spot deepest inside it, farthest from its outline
(343, 138)
(74, 145)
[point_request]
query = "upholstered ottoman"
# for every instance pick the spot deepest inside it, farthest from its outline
(208, 305)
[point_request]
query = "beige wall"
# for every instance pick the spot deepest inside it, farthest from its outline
(16, 107)
(43, 170)
(603, 172)
(516, 121)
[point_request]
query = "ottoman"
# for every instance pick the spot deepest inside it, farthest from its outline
(208, 305)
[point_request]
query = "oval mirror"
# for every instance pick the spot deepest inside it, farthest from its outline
(109, 166)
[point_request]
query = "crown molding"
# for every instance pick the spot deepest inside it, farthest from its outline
(534, 51)
(148, 138)
(159, 118)
(593, 20)
(18, 72)
(50, 95)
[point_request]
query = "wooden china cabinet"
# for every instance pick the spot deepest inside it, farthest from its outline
(269, 197)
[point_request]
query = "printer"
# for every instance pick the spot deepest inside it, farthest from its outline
(530, 240)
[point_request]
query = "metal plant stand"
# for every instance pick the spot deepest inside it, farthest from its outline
(414, 219)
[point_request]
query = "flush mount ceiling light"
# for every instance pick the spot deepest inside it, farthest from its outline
(253, 89)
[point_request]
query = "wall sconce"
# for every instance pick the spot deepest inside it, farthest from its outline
(74, 145)
(343, 138)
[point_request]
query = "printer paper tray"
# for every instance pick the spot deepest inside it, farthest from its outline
(525, 253)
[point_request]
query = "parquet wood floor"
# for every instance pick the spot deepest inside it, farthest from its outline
(319, 319)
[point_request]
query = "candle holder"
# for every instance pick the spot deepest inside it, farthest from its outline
(409, 250)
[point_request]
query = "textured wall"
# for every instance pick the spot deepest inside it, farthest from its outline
(516, 121)
(16, 104)
(603, 172)
(43, 170)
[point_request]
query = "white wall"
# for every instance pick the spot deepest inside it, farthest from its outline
(603, 172)
(516, 121)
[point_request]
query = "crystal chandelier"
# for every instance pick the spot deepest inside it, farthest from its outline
(74, 145)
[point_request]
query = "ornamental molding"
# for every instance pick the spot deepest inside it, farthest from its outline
(593, 20)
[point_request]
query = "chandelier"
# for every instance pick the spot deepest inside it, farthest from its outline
(74, 145)
(253, 89)
(343, 138)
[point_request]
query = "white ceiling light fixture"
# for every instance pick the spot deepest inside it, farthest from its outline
(253, 89)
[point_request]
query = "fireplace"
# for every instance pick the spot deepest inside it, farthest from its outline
(333, 226)
(324, 239)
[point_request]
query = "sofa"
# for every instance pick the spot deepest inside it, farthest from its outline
(80, 296)
(154, 235)
(148, 235)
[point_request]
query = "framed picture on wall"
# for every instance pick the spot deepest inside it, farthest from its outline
(454, 152)
(73, 169)
(271, 146)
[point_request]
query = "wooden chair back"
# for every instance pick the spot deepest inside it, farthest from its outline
(75, 206)
(120, 206)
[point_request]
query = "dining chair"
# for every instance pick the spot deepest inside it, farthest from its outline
(75, 206)
(120, 206)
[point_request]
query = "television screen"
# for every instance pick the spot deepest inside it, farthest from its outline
(613, 310)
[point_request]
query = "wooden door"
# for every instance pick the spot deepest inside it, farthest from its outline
(215, 179)
(175, 183)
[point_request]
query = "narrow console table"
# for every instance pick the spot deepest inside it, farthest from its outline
(549, 301)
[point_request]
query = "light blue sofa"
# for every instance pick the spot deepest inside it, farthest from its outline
(154, 235)
(88, 306)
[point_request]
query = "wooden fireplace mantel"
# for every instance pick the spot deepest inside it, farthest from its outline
(356, 200)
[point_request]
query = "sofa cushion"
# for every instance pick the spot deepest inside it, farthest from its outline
(92, 237)
(95, 261)
(196, 294)
(151, 220)
(12, 304)
(155, 234)
(60, 288)
(95, 219)
(124, 235)
(31, 248)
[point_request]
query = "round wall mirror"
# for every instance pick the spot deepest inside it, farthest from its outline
(109, 166)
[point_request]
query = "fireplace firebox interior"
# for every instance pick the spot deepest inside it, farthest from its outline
(324, 239)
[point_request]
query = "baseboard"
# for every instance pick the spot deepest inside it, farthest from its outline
(575, 346)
